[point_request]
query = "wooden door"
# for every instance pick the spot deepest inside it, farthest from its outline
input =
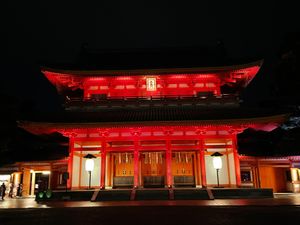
(153, 169)
(123, 172)
(273, 177)
(26, 182)
(183, 168)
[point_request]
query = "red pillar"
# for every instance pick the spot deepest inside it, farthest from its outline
(168, 164)
(136, 164)
(85, 92)
(218, 89)
(202, 164)
(236, 161)
(70, 162)
(103, 164)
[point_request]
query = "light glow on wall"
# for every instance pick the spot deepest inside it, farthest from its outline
(4, 178)
(294, 174)
(46, 172)
(91, 146)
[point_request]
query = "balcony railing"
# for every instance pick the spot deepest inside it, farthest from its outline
(73, 103)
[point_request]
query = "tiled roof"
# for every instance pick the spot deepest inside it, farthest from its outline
(128, 59)
(178, 113)
(25, 146)
(155, 118)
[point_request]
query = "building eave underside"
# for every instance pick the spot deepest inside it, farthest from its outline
(270, 159)
(45, 127)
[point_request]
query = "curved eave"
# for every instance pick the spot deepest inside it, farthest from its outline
(151, 71)
(264, 123)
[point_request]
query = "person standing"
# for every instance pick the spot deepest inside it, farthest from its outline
(19, 190)
(11, 190)
(3, 189)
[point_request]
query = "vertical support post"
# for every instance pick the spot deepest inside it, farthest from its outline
(70, 161)
(218, 182)
(168, 164)
(103, 164)
(32, 183)
(136, 163)
(236, 161)
(202, 163)
(85, 92)
(50, 177)
(90, 179)
(109, 170)
(258, 174)
(80, 168)
(218, 89)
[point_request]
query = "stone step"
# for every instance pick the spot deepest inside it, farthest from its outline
(248, 193)
(114, 195)
(191, 194)
(153, 194)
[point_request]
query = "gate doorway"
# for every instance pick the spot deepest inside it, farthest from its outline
(183, 169)
(153, 169)
(123, 165)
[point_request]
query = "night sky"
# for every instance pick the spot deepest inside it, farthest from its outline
(55, 32)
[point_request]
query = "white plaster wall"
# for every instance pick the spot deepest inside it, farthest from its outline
(75, 172)
(96, 175)
(211, 174)
(232, 168)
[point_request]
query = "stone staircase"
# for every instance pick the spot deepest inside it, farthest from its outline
(181, 194)
(160, 194)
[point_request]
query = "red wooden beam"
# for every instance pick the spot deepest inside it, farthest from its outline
(103, 164)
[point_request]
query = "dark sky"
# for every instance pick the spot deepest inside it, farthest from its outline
(50, 31)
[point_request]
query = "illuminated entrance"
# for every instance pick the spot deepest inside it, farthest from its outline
(183, 168)
(122, 169)
(153, 169)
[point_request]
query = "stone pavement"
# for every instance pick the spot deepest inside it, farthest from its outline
(283, 209)
(280, 199)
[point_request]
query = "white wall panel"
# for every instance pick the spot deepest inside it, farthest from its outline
(232, 168)
(75, 171)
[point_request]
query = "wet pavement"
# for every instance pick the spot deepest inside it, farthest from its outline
(284, 199)
(283, 209)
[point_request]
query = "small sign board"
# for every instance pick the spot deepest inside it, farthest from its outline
(151, 83)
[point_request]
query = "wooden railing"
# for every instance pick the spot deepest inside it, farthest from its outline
(162, 100)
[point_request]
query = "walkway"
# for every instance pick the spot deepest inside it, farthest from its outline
(283, 199)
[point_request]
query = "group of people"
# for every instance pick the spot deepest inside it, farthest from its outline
(11, 192)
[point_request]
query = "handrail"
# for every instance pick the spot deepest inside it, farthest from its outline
(144, 102)
(150, 98)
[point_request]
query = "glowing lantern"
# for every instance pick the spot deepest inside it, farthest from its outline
(89, 166)
(217, 163)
